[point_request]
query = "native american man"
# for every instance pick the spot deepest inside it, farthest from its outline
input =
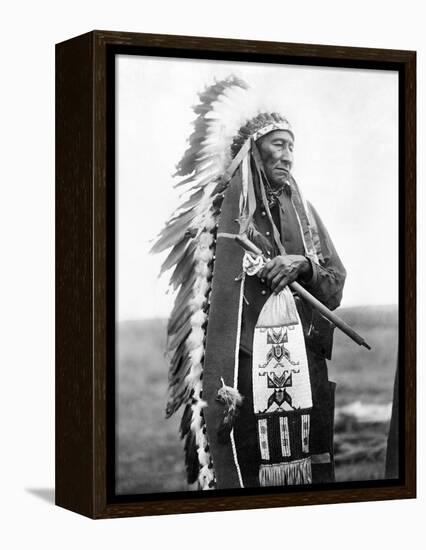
(247, 355)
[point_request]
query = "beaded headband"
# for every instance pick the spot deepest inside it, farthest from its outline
(259, 126)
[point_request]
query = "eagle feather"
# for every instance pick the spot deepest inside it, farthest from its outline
(190, 235)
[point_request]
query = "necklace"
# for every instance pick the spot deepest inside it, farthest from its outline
(273, 195)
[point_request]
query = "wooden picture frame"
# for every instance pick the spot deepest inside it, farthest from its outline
(85, 264)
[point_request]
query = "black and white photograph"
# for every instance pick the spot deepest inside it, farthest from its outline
(212, 237)
(256, 275)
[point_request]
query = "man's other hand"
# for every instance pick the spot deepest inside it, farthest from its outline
(283, 270)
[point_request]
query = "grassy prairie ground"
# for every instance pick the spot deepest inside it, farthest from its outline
(149, 452)
(364, 392)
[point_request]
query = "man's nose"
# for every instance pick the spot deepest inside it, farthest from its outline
(286, 155)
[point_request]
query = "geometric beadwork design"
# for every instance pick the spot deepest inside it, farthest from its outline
(285, 437)
(305, 420)
(262, 427)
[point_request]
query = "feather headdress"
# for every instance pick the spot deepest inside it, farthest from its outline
(228, 114)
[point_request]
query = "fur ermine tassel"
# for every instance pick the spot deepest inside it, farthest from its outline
(232, 399)
(297, 472)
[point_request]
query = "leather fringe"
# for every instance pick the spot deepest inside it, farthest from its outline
(297, 472)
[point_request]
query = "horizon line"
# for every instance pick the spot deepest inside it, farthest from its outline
(165, 317)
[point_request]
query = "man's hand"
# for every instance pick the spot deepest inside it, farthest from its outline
(283, 270)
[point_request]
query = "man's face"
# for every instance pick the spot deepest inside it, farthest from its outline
(276, 152)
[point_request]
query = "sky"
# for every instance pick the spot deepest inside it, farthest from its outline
(345, 161)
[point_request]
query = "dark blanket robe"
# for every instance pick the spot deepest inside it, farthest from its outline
(221, 356)
(327, 285)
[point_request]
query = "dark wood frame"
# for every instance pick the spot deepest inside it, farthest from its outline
(84, 265)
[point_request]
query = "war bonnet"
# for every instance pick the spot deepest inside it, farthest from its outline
(229, 117)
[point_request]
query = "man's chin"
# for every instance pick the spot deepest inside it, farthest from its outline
(280, 180)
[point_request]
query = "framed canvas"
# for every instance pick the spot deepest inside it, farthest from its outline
(223, 342)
